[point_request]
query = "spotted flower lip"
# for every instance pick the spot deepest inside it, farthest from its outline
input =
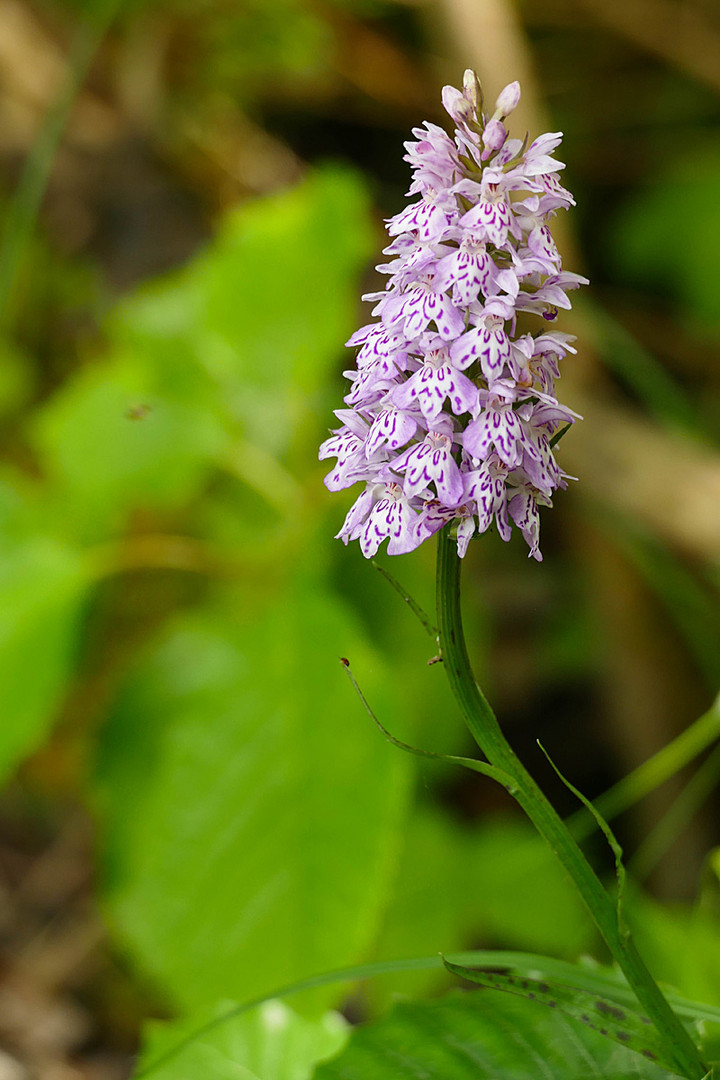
(451, 411)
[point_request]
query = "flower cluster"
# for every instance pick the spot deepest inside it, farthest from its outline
(452, 410)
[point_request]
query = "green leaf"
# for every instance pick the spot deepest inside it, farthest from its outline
(620, 874)
(17, 378)
(497, 882)
(225, 364)
(42, 586)
(264, 311)
(602, 1014)
(585, 975)
(482, 1036)
(271, 1042)
(113, 442)
(265, 808)
(681, 943)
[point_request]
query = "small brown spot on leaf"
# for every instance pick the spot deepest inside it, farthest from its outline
(609, 1010)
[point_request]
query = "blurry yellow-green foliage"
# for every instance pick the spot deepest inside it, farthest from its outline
(172, 603)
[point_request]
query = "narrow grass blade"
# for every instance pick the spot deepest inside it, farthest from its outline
(678, 816)
(639, 369)
(24, 206)
(701, 734)
(607, 833)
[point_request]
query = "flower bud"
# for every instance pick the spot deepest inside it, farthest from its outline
(472, 90)
(508, 99)
(457, 105)
(494, 134)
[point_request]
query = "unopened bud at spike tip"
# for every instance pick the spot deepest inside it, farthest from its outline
(508, 99)
(473, 90)
(457, 105)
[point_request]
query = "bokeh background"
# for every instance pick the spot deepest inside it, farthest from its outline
(195, 806)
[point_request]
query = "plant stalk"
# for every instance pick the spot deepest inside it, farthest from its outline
(486, 731)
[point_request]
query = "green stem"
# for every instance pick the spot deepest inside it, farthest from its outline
(485, 729)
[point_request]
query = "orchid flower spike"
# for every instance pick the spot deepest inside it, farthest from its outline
(451, 411)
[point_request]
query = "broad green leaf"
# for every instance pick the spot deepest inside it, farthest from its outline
(252, 810)
(521, 892)
(432, 909)
(271, 1042)
(483, 1036)
(264, 312)
(42, 586)
(497, 882)
(586, 976)
(681, 944)
(113, 442)
(606, 1015)
(226, 363)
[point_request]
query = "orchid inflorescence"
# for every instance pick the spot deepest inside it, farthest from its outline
(452, 409)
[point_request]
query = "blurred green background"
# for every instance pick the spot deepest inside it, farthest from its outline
(195, 806)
